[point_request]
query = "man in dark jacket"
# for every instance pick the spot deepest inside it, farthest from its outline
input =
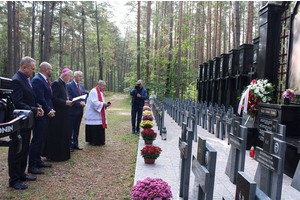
(43, 91)
(75, 89)
(57, 144)
(23, 98)
(139, 95)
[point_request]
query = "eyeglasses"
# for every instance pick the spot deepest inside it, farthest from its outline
(50, 69)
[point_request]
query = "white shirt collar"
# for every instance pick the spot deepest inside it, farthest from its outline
(43, 76)
(76, 83)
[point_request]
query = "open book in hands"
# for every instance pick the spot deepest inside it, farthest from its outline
(79, 98)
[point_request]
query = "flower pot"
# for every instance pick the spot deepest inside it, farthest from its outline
(149, 142)
(149, 160)
(286, 101)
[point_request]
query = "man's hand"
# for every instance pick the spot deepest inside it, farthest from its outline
(51, 113)
(106, 105)
(82, 104)
(138, 95)
(40, 112)
(69, 103)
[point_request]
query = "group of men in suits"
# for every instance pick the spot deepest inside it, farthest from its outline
(56, 128)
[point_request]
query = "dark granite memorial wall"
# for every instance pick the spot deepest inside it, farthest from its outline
(266, 58)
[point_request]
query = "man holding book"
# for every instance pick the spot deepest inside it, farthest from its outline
(75, 89)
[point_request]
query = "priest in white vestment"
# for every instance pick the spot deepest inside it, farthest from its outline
(95, 115)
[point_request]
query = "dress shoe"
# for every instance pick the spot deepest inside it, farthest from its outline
(18, 185)
(71, 150)
(34, 170)
(42, 164)
(28, 178)
(77, 147)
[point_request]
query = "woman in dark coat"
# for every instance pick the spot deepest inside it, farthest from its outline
(57, 145)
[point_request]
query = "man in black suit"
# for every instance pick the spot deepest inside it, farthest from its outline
(23, 98)
(43, 91)
(75, 89)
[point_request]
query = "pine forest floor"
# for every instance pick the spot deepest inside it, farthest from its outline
(97, 172)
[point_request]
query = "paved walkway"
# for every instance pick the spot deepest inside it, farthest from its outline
(167, 165)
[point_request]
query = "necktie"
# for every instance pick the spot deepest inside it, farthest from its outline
(79, 89)
(49, 85)
(29, 82)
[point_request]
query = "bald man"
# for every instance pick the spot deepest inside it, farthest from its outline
(41, 86)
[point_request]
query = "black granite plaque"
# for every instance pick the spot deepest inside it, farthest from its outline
(201, 175)
(236, 128)
(183, 132)
(245, 187)
(200, 150)
(268, 141)
(268, 160)
(235, 141)
(274, 126)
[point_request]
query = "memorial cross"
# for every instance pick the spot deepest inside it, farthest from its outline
(199, 113)
(236, 159)
(219, 118)
(204, 167)
(185, 148)
(194, 116)
(228, 121)
(204, 116)
(269, 173)
(210, 120)
(296, 179)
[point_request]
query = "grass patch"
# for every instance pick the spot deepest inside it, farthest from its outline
(96, 172)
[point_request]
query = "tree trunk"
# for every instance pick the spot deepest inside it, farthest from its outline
(220, 29)
(138, 41)
(60, 35)
(51, 17)
(42, 33)
(83, 48)
(78, 54)
(98, 45)
(249, 22)
(224, 34)
(9, 69)
(229, 27)
(148, 42)
(215, 31)
(47, 32)
(201, 50)
(209, 31)
(236, 24)
(156, 51)
(15, 65)
(179, 50)
(168, 79)
(72, 45)
(33, 29)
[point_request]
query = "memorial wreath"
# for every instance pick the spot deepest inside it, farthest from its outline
(259, 91)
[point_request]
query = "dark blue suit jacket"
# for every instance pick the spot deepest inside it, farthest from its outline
(23, 95)
(73, 92)
(43, 93)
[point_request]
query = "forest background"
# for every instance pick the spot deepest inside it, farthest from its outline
(163, 45)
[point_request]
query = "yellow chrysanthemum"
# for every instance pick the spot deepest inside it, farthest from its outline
(146, 107)
(147, 112)
(146, 124)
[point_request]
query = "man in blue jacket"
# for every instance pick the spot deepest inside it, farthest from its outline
(75, 89)
(139, 95)
(41, 86)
